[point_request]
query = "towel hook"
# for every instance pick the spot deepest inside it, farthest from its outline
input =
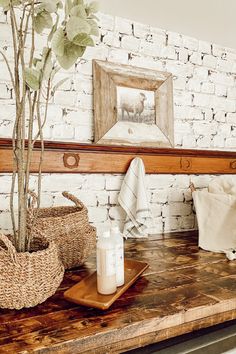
(71, 160)
(233, 165)
(185, 163)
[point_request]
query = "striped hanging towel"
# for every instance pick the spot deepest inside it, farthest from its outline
(133, 199)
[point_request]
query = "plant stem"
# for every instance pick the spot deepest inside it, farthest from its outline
(9, 69)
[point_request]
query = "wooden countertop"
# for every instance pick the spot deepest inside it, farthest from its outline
(183, 290)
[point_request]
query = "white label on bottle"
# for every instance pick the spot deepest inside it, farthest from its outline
(106, 262)
(110, 262)
(119, 265)
(98, 262)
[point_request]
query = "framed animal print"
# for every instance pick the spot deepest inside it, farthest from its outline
(132, 105)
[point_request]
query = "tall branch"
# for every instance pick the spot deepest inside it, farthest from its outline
(32, 36)
(9, 70)
(14, 30)
(32, 103)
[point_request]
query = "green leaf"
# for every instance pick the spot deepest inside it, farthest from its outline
(58, 84)
(83, 40)
(49, 5)
(39, 66)
(78, 11)
(35, 61)
(53, 30)
(71, 53)
(60, 5)
(68, 7)
(58, 42)
(4, 3)
(94, 28)
(54, 72)
(78, 2)
(38, 9)
(47, 63)
(42, 20)
(94, 17)
(76, 25)
(44, 65)
(32, 78)
(93, 7)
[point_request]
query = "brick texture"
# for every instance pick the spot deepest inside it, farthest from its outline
(204, 106)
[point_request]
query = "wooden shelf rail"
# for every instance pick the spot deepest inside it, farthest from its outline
(61, 157)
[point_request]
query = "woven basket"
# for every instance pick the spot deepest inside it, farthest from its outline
(69, 228)
(28, 278)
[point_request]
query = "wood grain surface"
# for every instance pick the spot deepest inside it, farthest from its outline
(84, 158)
(85, 292)
(184, 289)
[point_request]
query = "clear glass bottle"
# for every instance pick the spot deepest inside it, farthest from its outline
(118, 240)
(106, 265)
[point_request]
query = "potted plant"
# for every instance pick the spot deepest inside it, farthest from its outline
(30, 268)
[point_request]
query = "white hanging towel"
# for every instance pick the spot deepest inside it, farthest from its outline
(216, 215)
(133, 199)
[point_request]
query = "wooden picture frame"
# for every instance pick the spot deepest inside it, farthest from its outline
(110, 79)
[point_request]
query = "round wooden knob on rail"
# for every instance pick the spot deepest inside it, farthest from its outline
(233, 165)
(71, 160)
(185, 163)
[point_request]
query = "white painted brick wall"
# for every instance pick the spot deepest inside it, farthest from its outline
(210, 61)
(204, 47)
(204, 109)
(130, 43)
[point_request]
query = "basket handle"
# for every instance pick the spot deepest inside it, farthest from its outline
(10, 248)
(75, 200)
(192, 187)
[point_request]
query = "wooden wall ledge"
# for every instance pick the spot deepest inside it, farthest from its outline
(61, 157)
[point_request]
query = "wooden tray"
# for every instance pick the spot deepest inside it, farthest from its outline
(85, 292)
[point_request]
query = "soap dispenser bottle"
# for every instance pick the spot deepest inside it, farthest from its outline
(106, 265)
(118, 240)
